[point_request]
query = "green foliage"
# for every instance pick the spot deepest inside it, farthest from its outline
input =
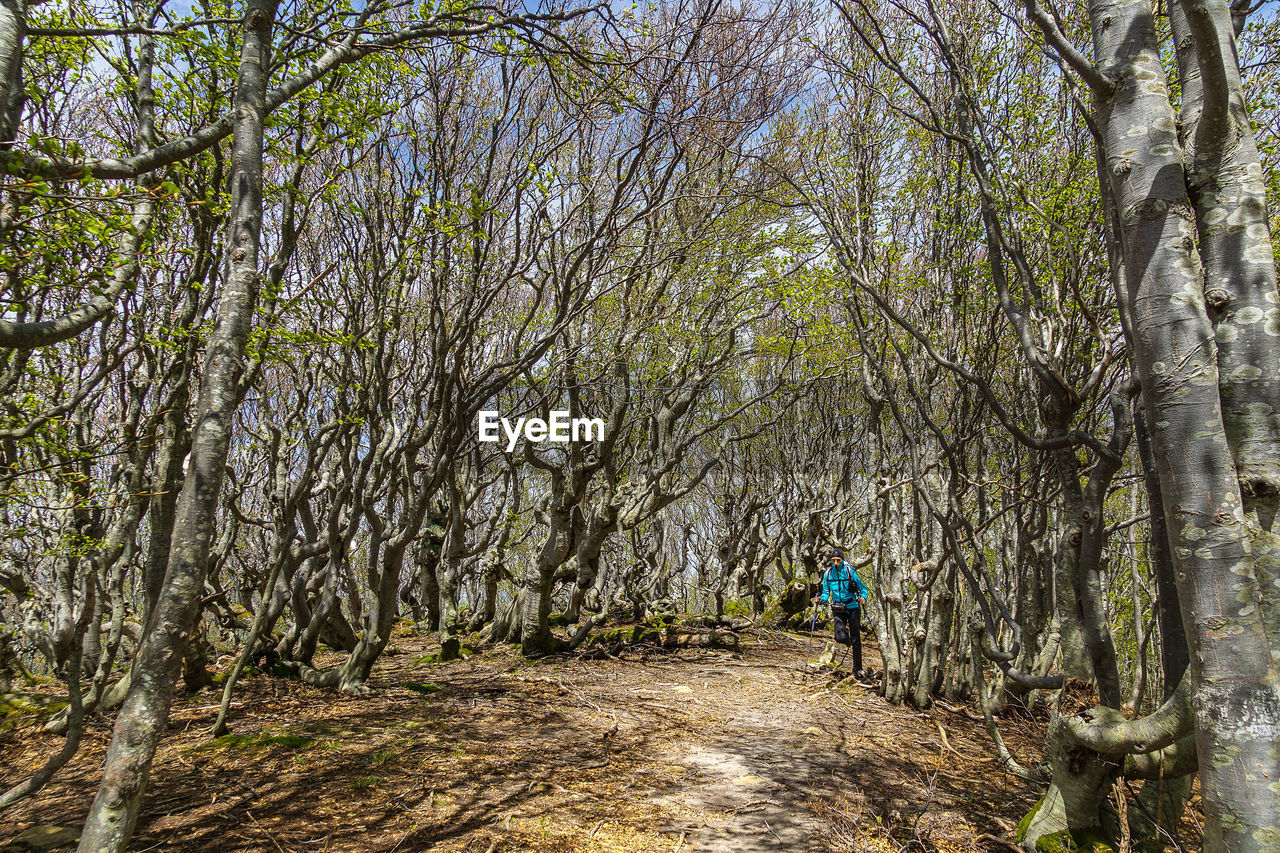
(383, 757)
(364, 783)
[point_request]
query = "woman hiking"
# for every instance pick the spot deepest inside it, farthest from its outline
(846, 592)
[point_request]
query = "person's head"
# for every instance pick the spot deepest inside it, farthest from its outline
(835, 556)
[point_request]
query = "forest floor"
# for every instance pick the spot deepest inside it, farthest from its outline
(693, 750)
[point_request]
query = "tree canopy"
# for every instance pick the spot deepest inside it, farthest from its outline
(982, 293)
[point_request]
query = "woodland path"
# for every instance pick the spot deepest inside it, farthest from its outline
(694, 750)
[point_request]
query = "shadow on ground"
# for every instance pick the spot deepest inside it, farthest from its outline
(708, 751)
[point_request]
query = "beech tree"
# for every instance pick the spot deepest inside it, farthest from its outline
(1185, 169)
(990, 309)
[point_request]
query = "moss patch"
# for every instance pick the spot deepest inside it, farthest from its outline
(1025, 823)
(262, 740)
(220, 678)
(1055, 842)
(19, 709)
(1066, 841)
(627, 635)
(424, 689)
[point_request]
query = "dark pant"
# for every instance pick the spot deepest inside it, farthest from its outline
(849, 631)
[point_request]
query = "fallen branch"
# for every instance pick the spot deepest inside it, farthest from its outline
(1003, 844)
(945, 742)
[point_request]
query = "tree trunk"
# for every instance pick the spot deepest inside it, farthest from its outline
(1074, 813)
(146, 708)
(1235, 690)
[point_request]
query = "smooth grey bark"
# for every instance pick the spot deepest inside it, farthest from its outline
(172, 435)
(1225, 180)
(385, 561)
(1075, 804)
(931, 663)
(987, 700)
(1226, 185)
(1173, 637)
(1155, 814)
(1107, 731)
(112, 560)
(1086, 535)
(1235, 693)
(146, 707)
(464, 493)
(427, 565)
(13, 34)
(891, 595)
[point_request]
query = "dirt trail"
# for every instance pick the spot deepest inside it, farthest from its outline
(657, 751)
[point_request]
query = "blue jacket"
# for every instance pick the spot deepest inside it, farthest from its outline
(843, 586)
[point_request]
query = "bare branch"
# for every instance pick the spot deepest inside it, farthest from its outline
(1101, 84)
